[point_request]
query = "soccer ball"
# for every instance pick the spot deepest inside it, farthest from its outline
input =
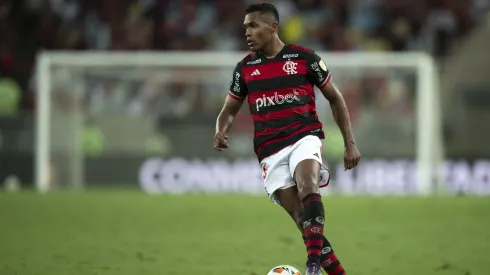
(284, 270)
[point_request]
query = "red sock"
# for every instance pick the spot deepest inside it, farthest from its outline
(329, 260)
(313, 227)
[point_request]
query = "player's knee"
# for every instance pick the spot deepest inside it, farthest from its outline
(306, 177)
(308, 187)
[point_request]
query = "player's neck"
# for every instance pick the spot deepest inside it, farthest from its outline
(275, 47)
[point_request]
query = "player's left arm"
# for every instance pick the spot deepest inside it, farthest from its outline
(339, 111)
(320, 76)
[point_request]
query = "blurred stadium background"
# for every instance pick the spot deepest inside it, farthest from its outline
(128, 131)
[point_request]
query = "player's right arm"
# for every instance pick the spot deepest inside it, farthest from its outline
(233, 102)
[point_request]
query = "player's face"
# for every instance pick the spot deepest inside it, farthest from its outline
(259, 30)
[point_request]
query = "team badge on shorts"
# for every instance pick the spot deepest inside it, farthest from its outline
(264, 170)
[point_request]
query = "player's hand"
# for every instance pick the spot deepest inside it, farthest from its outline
(351, 157)
(220, 141)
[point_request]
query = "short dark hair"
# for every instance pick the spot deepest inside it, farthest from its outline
(263, 8)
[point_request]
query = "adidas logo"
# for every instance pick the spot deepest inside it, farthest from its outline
(256, 72)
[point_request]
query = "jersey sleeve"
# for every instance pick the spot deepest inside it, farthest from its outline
(318, 73)
(238, 89)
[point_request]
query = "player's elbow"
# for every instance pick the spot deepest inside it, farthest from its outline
(337, 100)
(334, 97)
(332, 94)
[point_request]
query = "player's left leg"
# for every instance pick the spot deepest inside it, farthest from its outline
(305, 170)
(305, 165)
(288, 198)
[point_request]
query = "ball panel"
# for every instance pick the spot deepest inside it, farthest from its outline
(284, 270)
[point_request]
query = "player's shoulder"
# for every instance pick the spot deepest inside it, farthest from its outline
(250, 59)
(301, 51)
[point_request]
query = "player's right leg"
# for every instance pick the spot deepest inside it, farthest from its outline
(289, 199)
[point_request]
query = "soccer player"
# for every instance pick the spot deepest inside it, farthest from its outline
(277, 81)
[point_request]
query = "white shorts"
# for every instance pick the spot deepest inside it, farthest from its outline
(278, 169)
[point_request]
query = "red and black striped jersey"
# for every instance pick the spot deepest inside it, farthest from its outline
(281, 97)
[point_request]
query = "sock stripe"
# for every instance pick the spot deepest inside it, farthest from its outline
(337, 270)
(329, 261)
(313, 231)
(314, 242)
(315, 247)
(332, 265)
(315, 251)
(326, 242)
(312, 195)
(311, 198)
(333, 258)
(314, 237)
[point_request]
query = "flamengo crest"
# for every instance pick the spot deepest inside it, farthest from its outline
(290, 67)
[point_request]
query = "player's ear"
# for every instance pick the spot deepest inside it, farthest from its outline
(275, 26)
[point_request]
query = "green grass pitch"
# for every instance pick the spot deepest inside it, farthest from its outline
(129, 233)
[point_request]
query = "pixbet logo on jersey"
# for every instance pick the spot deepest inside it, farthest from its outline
(276, 99)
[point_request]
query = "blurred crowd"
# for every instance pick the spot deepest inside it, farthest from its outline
(28, 26)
